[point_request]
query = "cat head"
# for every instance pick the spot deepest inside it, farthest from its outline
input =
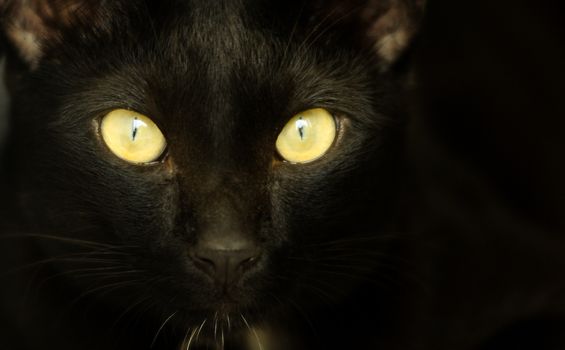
(225, 157)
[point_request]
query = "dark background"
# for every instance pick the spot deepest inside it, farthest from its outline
(485, 147)
(3, 106)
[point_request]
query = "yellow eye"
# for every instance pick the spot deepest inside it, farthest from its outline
(307, 136)
(132, 136)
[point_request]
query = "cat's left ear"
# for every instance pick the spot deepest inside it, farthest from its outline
(386, 26)
(30, 26)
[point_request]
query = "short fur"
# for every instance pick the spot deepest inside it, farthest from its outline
(221, 79)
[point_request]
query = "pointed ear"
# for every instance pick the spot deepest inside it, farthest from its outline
(29, 25)
(392, 27)
(385, 26)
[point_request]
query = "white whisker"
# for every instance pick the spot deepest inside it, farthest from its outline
(200, 329)
(185, 337)
(252, 329)
(190, 339)
(161, 328)
(216, 326)
(223, 342)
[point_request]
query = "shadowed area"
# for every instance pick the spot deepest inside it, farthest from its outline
(3, 106)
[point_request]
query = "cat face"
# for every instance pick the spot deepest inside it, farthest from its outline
(218, 221)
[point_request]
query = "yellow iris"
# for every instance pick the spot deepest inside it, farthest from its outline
(307, 136)
(132, 137)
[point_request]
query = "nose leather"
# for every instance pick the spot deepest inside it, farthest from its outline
(225, 266)
(225, 248)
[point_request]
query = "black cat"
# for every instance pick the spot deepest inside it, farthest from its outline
(203, 173)
(190, 174)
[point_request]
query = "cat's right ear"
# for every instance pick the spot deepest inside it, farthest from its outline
(386, 27)
(30, 26)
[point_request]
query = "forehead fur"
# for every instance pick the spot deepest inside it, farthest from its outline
(217, 70)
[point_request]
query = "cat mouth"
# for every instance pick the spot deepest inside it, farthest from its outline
(229, 301)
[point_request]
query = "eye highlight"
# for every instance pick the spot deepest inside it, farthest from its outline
(132, 137)
(307, 136)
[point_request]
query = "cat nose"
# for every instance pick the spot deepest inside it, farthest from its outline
(225, 266)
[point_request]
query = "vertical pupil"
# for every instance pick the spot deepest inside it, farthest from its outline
(300, 126)
(134, 128)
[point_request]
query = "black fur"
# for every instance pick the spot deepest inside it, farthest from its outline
(220, 79)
